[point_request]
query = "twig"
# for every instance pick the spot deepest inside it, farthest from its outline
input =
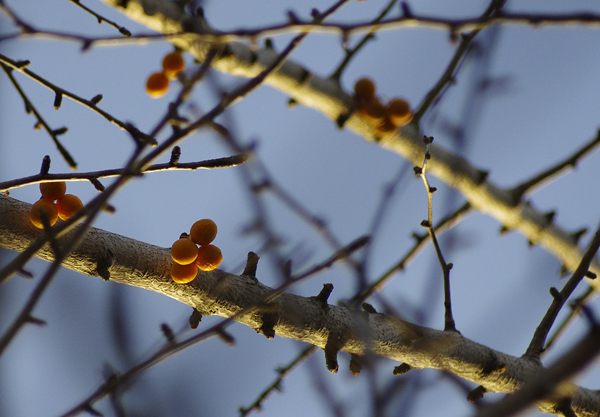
(543, 178)
(230, 161)
(276, 385)
(350, 53)
(450, 73)
(559, 298)
(29, 107)
(101, 18)
(428, 224)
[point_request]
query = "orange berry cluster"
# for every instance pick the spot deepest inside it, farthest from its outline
(158, 82)
(188, 257)
(54, 203)
(384, 117)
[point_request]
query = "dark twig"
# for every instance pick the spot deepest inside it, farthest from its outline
(351, 53)
(101, 18)
(276, 385)
(559, 298)
(230, 161)
(542, 178)
(450, 73)
(41, 122)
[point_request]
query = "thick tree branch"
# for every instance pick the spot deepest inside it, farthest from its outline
(139, 264)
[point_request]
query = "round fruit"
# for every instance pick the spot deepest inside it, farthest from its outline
(399, 112)
(182, 274)
(49, 209)
(67, 205)
(209, 257)
(184, 251)
(157, 84)
(203, 231)
(364, 89)
(173, 64)
(53, 190)
(374, 111)
(385, 127)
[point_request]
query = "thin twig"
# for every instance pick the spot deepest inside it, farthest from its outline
(101, 18)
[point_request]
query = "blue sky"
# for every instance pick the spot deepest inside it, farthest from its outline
(546, 107)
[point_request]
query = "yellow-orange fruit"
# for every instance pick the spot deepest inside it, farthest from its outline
(53, 190)
(385, 127)
(67, 205)
(173, 64)
(184, 251)
(46, 206)
(209, 257)
(182, 274)
(364, 89)
(374, 111)
(157, 84)
(399, 112)
(203, 231)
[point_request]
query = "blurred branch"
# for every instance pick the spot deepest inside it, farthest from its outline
(226, 162)
(101, 18)
(276, 385)
(327, 97)
(307, 319)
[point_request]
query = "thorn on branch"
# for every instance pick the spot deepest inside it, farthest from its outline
(292, 102)
(332, 348)
(269, 320)
(476, 394)
(45, 165)
(355, 364)
(578, 234)
(103, 265)
(556, 294)
(590, 275)
(60, 131)
(269, 44)
(324, 295)
(503, 230)
(91, 410)
(549, 216)
(58, 100)
(342, 119)
(418, 171)
(195, 319)
(402, 369)
(406, 12)
(225, 337)
(22, 64)
(251, 265)
(175, 154)
(96, 99)
(36, 321)
(482, 176)
(167, 332)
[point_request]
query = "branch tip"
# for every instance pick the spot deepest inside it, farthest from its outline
(402, 369)
(45, 165)
(195, 319)
(251, 265)
(355, 364)
(167, 332)
(476, 394)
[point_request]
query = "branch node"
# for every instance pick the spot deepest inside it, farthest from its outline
(355, 364)
(550, 216)
(36, 321)
(103, 265)
(577, 235)
(91, 410)
(332, 348)
(402, 369)
(556, 294)
(269, 320)
(175, 154)
(97, 184)
(96, 99)
(57, 100)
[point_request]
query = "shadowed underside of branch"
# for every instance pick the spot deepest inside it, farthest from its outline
(306, 319)
(327, 96)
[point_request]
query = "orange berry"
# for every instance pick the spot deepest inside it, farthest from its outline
(399, 112)
(385, 127)
(67, 205)
(184, 251)
(182, 274)
(53, 190)
(364, 89)
(203, 231)
(173, 64)
(374, 111)
(46, 206)
(209, 257)
(157, 84)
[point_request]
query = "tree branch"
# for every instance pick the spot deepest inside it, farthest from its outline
(327, 96)
(301, 318)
